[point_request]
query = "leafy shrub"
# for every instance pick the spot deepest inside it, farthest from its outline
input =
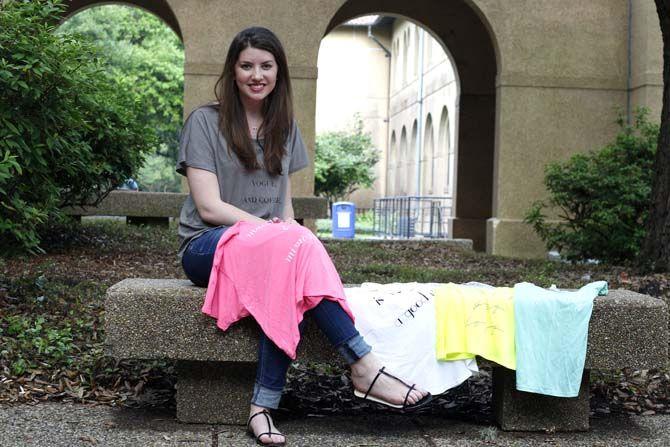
(602, 197)
(31, 342)
(72, 130)
(344, 162)
(142, 50)
(17, 219)
(158, 174)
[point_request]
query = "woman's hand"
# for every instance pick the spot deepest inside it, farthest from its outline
(288, 220)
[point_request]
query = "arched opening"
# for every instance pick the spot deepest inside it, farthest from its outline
(394, 66)
(412, 187)
(392, 161)
(402, 164)
(417, 53)
(139, 43)
(463, 32)
(429, 53)
(405, 54)
(351, 80)
(444, 156)
(160, 8)
(427, 165)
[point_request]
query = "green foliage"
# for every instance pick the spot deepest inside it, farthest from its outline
(51, 332)
(158, 174)
(51, 329)
(603, 197)
(344, 162)
(30, 342)
(72, 132)
(146, 56)
(18, 220)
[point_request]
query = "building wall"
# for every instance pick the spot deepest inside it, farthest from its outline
(354, 79)
(537, 83)
(423, 163)
(646, 53)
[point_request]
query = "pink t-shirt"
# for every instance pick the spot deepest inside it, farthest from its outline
(274, 272)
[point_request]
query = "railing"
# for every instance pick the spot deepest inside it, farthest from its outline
(412, 216)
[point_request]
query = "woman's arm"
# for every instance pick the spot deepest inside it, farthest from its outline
(204, 188)
(287, 212)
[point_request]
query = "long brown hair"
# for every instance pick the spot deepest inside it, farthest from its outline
(277, 106)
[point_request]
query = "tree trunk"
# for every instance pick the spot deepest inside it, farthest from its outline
(655, 254)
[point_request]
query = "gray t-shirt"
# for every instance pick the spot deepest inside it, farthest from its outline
(203, 146)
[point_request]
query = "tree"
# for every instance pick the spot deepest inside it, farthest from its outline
(602, 197)
(655, 254)
(69, 133)
(344, 162)
(146, 56)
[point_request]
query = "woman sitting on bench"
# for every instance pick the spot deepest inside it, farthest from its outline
(237, 155)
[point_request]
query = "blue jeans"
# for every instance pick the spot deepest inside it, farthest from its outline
(272, 361)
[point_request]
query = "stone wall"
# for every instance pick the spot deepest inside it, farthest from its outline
(538, 81)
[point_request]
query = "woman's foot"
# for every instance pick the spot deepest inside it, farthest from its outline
(262, 425)
(385, 388)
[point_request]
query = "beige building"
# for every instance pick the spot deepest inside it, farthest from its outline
(354, 81)
(536, 82)
(399, 80)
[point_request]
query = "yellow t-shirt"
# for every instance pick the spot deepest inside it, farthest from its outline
(473, 320)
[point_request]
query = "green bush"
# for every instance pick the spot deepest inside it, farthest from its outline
(158, 175)
(602, 197)
(18, 220)
(31, 342)
(72, 131)
(344, 162)
(142, 50)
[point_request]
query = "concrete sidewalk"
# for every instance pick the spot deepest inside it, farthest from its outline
(70, 425)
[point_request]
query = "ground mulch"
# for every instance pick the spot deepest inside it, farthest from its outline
(67, 284)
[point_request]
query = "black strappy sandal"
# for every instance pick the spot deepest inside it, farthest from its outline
(404, 407)
(265, 413)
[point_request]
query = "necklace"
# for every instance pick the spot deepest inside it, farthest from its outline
(254, 125)
(254, 130)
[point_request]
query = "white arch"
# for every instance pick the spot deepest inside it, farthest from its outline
(411, 165)
(405, 52)
(391, 170)
(427, 165)
(417, 57)
(158, 8)
(401, 166)
(443, 161)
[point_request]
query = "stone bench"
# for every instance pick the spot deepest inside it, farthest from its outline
(161, 319)
(157, 207)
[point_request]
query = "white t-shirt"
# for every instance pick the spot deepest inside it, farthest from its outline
(398, 321)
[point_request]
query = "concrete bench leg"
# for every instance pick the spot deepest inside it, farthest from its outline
(521, 411)
(214, 392)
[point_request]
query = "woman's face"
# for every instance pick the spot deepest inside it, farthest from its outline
(255, 74)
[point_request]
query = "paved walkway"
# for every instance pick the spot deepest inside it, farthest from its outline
(67, 425)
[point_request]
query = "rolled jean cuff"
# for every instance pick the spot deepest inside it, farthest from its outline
(354, 349)
(265, 397)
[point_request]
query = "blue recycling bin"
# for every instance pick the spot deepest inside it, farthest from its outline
(344, 219)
